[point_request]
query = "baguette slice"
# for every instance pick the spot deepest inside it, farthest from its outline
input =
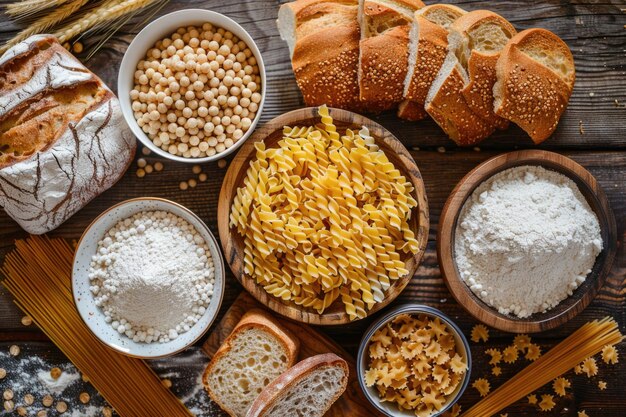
(428, 40)
(383, 47)
(461, 97)
(257, 351)
(308, 389)
(323, 39)
(536, 75)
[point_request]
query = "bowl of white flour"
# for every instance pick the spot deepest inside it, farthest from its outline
(526, 240)
(148, 277)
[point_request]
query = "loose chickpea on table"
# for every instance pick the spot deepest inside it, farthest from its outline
(197, 92)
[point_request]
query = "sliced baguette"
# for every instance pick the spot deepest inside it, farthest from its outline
(308, 389)
(535, 78)
(383, 47)
(257, 351)
(461, 97)
(323, 38)
(428, 40)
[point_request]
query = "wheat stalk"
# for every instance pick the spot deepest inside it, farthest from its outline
(24, 8)
(45, 22)
(98, 16)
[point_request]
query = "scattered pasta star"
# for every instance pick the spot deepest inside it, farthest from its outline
(480, 332)
(510, 355)
(533, 352)
(504, 415)
(610, 355)
(521, 341)
(589, 367)
(547, 402)
(532, 399)
(602, 385)
(496, 356)
(496, 370)
(578, 369)
(582, 413)
(559, 386)
(482, 386)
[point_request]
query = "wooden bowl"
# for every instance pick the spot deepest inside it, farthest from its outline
(271, 133)
(567, 308)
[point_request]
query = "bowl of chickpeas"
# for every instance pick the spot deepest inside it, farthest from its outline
(192, 86)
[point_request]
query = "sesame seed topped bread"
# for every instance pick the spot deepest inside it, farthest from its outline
(535, 79)
(383, 47)
(308, 389)
(63, 139)
(323, 39)
(428, 40)
(460, 99)
(257, 351)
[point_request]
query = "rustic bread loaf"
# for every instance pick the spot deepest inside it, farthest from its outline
(384, 50)
(308, 389)
(257, 351)
(63, 139)
(535, 78)
(460, 99)
(323, 38)
(428, 41)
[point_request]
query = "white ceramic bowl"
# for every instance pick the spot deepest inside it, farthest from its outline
(94, 317)
(159, 29)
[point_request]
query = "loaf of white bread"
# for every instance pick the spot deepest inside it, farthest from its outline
(462, 69)
(63, 139)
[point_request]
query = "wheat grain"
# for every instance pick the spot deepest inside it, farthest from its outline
(98, 16)
(25, 8)
(45, 22)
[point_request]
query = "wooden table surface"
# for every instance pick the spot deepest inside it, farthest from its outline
(596, 34)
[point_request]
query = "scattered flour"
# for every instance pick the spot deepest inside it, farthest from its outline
(526, 239)
(57, 386)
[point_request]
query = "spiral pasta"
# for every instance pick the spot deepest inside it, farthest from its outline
(324, 217)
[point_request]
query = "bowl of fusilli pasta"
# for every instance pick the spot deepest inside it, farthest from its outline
(323, 216)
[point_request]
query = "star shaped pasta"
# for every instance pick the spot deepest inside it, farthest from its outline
(610, 355)
(482, 386)
(602, 385)
(533, 352)
(480, 332)
(532, 399)
(510, 355)
(582, 413)
(578, 369)
(457, 364)
(559, 386)
(496, 356)
(589, 367)
(547, 402)
(496, 370)
(455, 411)
(377, 350)
(438, 328)
(521, 341)
(433, 349)
(434, 399)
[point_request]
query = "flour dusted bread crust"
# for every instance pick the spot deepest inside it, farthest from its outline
(257, 351)
(308, 389)
(323, 38)
(461, 98)
(428, 40)
(385, 26)
(63, 139)
(535, 78)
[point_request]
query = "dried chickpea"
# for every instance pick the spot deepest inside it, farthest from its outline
(166, 383)
(192, 183)
(107, 412)
(149, 169)
(21, 411)
(47, 400)
(158, 166)
(183, 185)
(29, 399)
(14, 350)
(55, 373)
(8, 394)
(3, 373)
(141, 173)
(84, 397)
(61, 407)
(8, 405)
(42, 413)
(27, 321)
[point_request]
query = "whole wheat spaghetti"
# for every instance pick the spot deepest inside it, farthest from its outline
(583, 343)
(38, 275)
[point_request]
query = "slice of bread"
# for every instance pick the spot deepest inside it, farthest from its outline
(535, 78)
(428, 40)
(461, 97)
(323, 39)
(384, 50)
(308, 389)
(257, 351)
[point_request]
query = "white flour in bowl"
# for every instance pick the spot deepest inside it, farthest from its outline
(152, 276)
(526, 239)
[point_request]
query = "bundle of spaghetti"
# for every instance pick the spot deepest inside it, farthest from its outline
(583, 343)
(38, 274)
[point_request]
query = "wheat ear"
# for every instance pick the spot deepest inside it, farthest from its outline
(101, 14)
(45, 22)
(25, 8)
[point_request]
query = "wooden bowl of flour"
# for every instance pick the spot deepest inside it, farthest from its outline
(581, 297)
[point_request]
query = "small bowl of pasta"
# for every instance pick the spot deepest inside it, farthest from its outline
(414, 361)
(323, 216)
